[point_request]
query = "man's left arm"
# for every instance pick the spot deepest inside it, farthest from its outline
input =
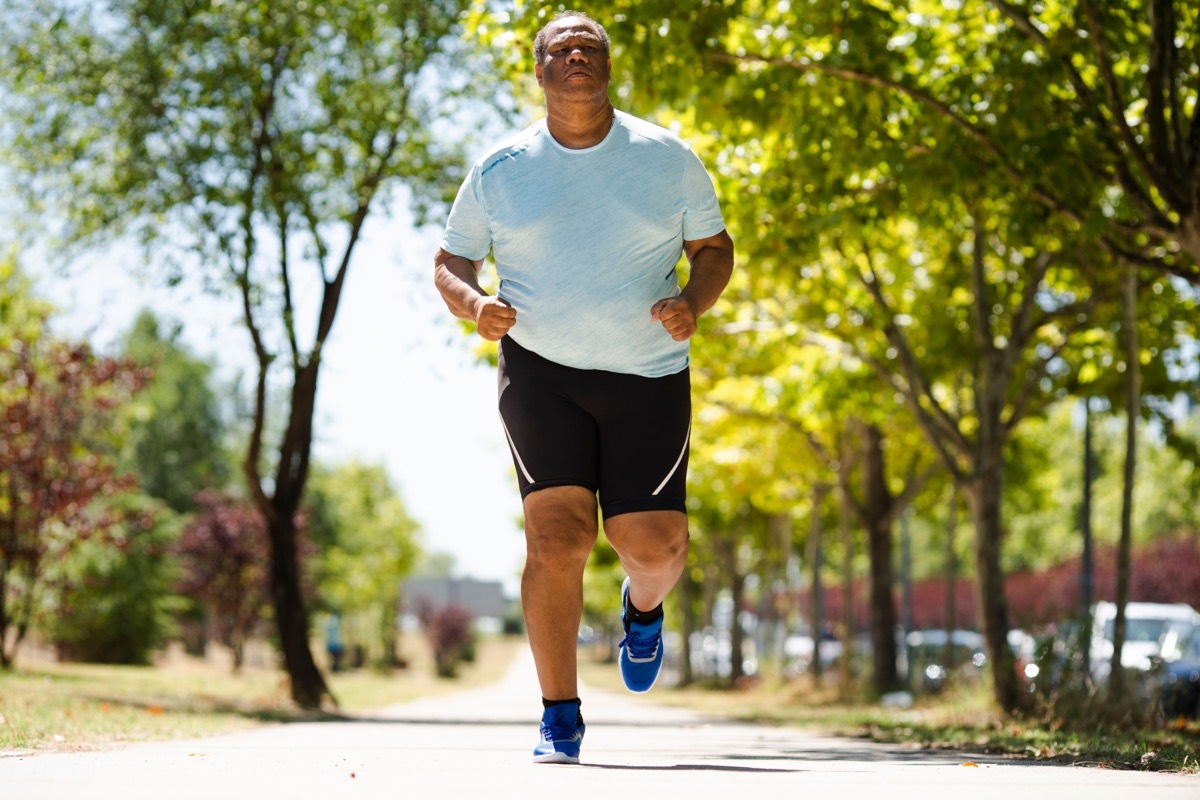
(711, 260)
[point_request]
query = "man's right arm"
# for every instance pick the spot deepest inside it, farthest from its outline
(457, 279)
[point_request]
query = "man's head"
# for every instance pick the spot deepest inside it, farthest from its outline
(541, 41)
(571, 59)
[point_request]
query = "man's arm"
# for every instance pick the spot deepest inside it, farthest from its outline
(711, 260)
(457, 279)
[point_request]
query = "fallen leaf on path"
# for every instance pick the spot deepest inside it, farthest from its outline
(969, 764)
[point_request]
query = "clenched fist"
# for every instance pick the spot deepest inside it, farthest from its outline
(677, 316)
(494, 317)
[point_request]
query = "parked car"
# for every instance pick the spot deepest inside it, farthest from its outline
(926, 650)
(1181, 677)
(798, 651)
(1147, 627)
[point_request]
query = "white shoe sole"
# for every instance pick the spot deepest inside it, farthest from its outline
(556, 758)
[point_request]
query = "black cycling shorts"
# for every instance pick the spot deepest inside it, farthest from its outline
(623, 436)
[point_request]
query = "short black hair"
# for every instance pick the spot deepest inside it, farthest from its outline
(539, 41)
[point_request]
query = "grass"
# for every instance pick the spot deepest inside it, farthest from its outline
(962, 719)
(47, 706)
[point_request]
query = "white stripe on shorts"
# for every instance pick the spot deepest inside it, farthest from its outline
(678, 461)
(516, 453)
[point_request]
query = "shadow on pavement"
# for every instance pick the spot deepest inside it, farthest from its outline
(688, 768)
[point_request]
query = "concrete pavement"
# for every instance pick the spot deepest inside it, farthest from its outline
(479, 743)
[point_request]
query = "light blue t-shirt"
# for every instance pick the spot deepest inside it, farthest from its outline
(586, 241)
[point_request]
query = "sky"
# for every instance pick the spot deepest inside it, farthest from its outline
(400, 384)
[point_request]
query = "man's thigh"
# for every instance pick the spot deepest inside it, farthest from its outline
(644, 446)
(552, 437)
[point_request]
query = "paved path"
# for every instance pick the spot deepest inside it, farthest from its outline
(479, 743)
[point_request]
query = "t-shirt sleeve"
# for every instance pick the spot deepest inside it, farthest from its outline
(702, 212)
(467, 231)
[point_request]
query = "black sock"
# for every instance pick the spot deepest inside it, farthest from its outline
(643, 617)
(548, 703)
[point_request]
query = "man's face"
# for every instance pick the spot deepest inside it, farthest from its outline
(575, 62)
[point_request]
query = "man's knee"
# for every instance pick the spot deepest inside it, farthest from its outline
(560, 526)
(651, 541)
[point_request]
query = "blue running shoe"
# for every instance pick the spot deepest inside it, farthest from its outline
(562, 734)
(641, 654)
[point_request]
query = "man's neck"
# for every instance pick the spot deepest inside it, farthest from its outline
(577, 129)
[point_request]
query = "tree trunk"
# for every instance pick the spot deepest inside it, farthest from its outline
(737, 583)
(6, 658)
(308, 687)
(1133, 399)
(388, 636)
(782, 588)
(1087, 572)
(844, 664)
(949, 609)
(291, 615)
(815, 559)
(687, 614)
(878, 523)
(984, 497)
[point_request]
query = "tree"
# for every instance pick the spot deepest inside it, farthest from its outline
(55, 397)
(111, 599)
(366, 544)
(448, 629)
(1089, 107)
(224, 561)
(1029, 162)
(259, 137)
(177, 439)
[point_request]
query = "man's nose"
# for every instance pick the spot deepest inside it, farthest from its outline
(576, 55)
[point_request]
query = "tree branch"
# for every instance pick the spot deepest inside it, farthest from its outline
(1162, 45)
(289, 315)
(1023, 324)
(976, 133)
(917, 383)
(984, 336)
(1157, 122)
(1132, 186)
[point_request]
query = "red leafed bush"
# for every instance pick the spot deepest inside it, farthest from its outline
(225, 557)
(448, 629)
(56, 400)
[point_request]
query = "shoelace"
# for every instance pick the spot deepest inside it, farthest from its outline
(638, 645)
(558, 732)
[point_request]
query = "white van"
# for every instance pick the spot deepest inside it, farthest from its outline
(1147, 627)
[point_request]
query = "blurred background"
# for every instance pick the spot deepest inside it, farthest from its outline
(945, 429)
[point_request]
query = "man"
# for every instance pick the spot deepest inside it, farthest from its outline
(586, 213)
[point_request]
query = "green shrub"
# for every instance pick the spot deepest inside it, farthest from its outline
(109, 599)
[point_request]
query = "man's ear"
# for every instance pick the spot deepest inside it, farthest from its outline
(537, 73)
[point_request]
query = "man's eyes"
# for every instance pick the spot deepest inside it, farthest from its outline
(562, 50)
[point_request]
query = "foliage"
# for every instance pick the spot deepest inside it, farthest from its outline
(366, 544)
(936, 191)
(176, 435)
(224, 558)
(111, 598)
(56, 399)
(258, 138)
(448, 629)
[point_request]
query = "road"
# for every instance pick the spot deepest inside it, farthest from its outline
(479, 743)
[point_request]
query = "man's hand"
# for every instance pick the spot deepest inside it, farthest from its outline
(494, 317)
(677, 316)
(712, 263)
